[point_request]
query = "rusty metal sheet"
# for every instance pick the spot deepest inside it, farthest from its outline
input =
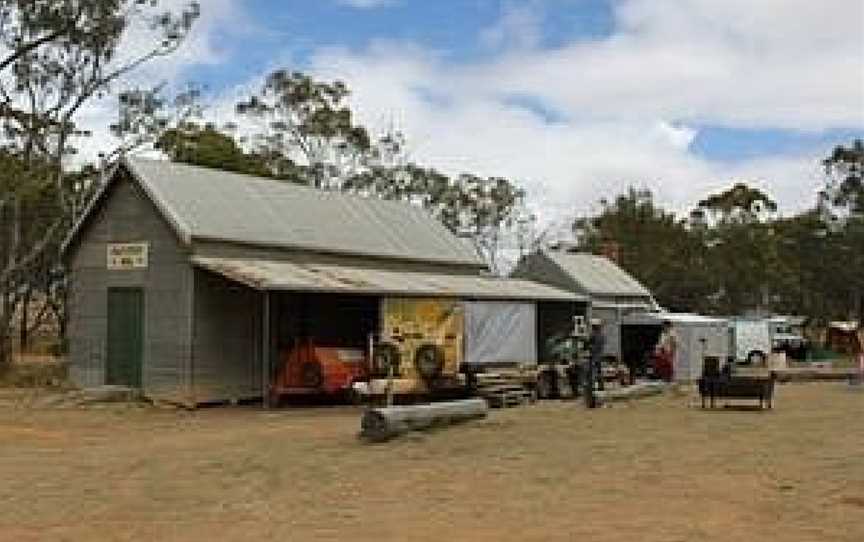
(291, 276)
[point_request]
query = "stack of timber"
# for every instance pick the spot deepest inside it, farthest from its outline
(507, 388)
(626, 393)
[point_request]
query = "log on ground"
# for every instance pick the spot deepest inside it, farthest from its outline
(381, 424)
(813, 375)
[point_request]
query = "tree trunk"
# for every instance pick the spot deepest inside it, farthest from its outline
(381, 424)
(24, 329)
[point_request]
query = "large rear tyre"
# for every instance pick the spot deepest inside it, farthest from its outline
(547, 387)
(312, 375)
(429, 361)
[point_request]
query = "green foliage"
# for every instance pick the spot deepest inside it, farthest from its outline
(654, 246)
(307, 121)
(208, 147)
(742, 261)
(488, 210)
(740, 202)
(55, 57)
(845, 169)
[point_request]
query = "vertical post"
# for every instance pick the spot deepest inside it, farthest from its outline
(266, 348)
(389, 393)
(190, 361)
(370, 352)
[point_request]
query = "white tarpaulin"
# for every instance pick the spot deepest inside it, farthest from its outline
(500, 332)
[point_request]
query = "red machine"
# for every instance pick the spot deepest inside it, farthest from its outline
(311, 369)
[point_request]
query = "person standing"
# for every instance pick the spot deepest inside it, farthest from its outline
(858, 353)
(664, 352)
(594, 369)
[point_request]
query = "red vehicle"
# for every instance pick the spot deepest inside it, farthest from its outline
(308, 369)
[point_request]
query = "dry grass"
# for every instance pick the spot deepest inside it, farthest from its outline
(34, 372)
(657, 470)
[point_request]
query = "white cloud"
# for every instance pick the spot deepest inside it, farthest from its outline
(366, 4)
(627, 106)
(630, 102)
(520, 27)
(783, 63)
(204, 46)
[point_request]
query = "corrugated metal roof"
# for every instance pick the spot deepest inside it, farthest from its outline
(291, 276)
(211, 204)
(598, 275)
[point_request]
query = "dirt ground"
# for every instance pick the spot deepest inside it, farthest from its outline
(660, 469)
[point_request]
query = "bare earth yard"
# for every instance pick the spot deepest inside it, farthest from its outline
(659, 470)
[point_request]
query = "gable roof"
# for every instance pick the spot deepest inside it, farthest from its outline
(208, 204)
(597, 275)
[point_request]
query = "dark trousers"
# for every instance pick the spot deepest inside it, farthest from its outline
(590, 383)
(574, 375)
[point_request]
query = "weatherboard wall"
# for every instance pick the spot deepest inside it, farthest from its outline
(226, 359)
(126, 215)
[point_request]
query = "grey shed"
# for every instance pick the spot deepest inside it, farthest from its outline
(178, 274)
(613, 292)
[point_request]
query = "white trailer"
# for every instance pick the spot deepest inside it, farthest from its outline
(698, 337)
(750, 340)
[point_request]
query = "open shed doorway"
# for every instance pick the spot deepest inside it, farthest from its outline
(321, 342)
(555, 323)
(638, 342)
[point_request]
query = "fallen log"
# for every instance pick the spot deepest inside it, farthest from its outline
(636, 391)
(381, 424)
(814, 375)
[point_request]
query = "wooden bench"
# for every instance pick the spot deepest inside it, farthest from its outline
(738, 387)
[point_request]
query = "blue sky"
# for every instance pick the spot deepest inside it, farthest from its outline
(575, 99)
(448, 27)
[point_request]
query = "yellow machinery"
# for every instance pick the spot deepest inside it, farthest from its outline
(421, 338)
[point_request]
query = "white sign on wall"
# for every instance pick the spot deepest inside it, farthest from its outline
(127, 255)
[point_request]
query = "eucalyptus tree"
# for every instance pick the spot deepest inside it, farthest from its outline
(58, 56)
(308, 122)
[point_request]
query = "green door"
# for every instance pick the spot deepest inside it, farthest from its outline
(125, 336)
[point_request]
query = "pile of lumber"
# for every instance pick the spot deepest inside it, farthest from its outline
(507, 388)
(636, 391)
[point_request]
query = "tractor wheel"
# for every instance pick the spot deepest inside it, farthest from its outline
(429, 361)
(546, 388)
(311, 375)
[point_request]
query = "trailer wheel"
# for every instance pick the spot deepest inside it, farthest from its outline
(429, 360)
(311, 375)
(546, 388)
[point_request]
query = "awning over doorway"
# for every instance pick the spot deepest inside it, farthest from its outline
(277, 275)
